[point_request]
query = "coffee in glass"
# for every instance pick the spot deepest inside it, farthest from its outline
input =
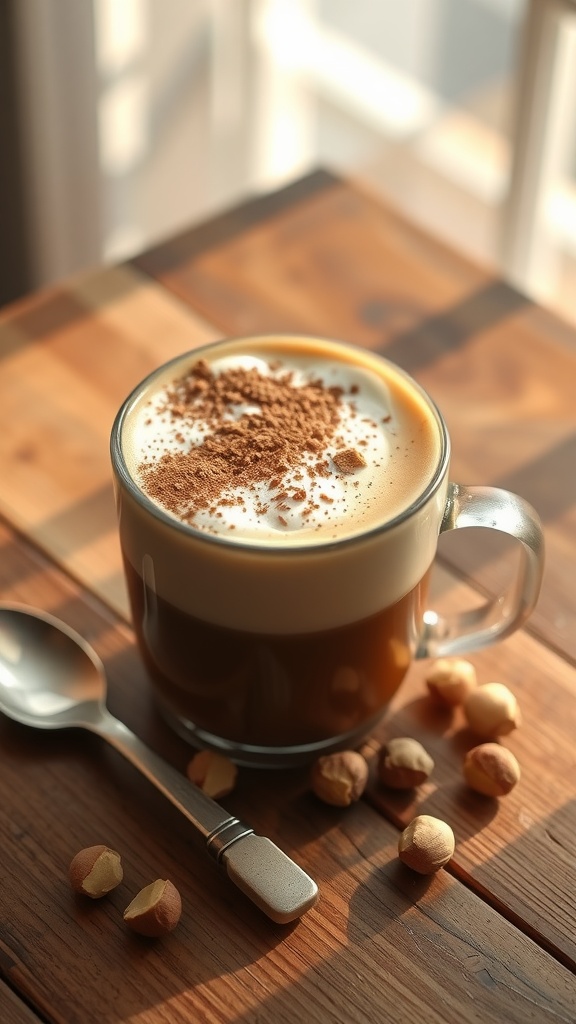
(280, 500)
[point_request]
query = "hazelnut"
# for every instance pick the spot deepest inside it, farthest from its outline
(426, 844)
(491, 769)
(403, 763)
(213, 773)
(492, 710)
(95, 871)
(451, 680)
(156, 909)
(339, 778)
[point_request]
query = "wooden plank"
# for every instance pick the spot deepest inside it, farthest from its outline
(316, 260)
(12, 1009)
(381, 944)
(68, 358)
(336, 262)
(516, 851)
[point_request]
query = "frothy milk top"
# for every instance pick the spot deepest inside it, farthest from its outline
(286, 440)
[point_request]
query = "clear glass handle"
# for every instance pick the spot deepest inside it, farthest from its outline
(471, 630)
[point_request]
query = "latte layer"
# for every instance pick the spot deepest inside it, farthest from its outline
(229, 524)
(282, 442)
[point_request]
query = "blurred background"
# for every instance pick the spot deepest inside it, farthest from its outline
(124, 121)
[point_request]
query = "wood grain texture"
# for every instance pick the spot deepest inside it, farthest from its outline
(68, 360)
(381, 945)
(332, 260)
(315, 257)
(12, 1009)
(515, 851)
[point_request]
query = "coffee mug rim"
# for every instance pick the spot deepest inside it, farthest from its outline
(251, 545)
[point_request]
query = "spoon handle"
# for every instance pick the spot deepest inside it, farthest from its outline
(259, 868)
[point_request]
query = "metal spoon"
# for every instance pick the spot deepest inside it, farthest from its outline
(51, 678)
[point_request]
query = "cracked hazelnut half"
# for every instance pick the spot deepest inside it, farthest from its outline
(214, 773)
(156, 909)
(95, 871)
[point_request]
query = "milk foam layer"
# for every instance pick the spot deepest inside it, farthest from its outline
(381, 418)
(287, 583)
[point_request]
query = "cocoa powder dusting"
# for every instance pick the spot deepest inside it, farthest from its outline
(348, 460)
(284, 425)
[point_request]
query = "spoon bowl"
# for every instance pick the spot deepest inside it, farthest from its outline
(51, 678)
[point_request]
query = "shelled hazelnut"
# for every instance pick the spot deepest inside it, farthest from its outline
(491, 769)
(451, 680)
(403, 763)
(492, 710)
(339, 779)
(426, 844)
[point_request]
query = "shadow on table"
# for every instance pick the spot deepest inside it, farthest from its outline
(451, 329)
(432, 949)
(398, 930)
(64, 791)
(61, 793)
(56, 309)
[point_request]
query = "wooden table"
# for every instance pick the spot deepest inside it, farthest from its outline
(490, 938)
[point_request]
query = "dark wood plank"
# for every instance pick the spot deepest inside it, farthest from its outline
(337, 262)
(12, 1009)
(381, 945)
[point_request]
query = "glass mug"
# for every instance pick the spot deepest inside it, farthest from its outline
(272, 636)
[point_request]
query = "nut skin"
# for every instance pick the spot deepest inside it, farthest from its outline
(155, 910)
(451, 680)
(339, 779)
(426, 844)
(492, 710)
(95, 871)
(404, 763)
(491, 769)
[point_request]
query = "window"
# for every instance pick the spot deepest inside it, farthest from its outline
(144, 116)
